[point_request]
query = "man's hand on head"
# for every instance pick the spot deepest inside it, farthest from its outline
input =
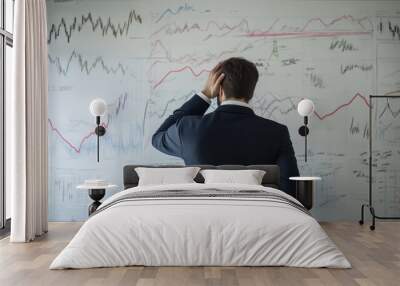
(213, 83)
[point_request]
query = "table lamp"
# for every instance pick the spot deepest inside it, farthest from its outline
(305, 108)
(98, 107)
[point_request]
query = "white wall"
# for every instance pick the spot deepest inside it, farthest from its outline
(330, 51)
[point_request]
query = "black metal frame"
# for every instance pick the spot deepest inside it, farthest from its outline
(370, 203)
(6, 39)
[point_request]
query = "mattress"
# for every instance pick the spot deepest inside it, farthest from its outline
(201, 225)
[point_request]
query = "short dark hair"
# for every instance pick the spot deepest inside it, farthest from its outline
(240, 79)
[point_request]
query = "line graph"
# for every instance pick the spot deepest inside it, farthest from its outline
(342, 106)
(389, 109)
(356, 128)
(159, 50)
(280, 106)
(153, 111)
(147, 60)
(238, 49)
(221, 29)
(84, 64)
(132, 130)
(77, 148)
(316, 80)
(114, 109)
(105, 26)
(121, 103)
(307, 34)
(285, 105)
(179, 70)
(162, 55)
(183, 8)
(389, 27)
(321, 28)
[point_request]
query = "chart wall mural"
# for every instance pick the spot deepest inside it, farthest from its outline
(146, 58)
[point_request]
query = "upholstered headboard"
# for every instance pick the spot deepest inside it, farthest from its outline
(271, 177)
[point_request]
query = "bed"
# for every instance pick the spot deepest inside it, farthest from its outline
(199, 224)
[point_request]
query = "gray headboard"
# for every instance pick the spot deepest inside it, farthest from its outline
(271, 177)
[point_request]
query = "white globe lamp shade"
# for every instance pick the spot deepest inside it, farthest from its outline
(305, 107)
(98, 107)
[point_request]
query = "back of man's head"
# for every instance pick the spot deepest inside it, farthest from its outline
(240, 79)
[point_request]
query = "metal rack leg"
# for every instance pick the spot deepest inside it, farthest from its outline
(372, 211)
(374, 216)
(361, 221)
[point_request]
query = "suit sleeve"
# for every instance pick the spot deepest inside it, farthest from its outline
(167, 138)
(288, 164)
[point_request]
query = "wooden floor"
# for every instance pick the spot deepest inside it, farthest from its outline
(375, 257)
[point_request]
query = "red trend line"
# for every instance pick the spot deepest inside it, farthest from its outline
(358, 95)
(78, 148)
(305, 34)
(177, 71)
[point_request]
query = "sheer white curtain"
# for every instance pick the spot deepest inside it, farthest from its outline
(27, 123)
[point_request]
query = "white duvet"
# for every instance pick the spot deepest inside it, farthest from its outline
(193, 231)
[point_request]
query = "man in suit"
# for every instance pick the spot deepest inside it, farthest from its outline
(233, 133)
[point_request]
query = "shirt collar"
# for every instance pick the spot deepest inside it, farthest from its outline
(235, 102)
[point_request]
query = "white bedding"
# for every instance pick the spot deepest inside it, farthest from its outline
(200, 231)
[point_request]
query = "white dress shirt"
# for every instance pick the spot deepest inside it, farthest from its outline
(204, 97)
(225, 102)
(235, 102)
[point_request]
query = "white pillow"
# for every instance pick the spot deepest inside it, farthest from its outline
(248, 177)
(166, 176)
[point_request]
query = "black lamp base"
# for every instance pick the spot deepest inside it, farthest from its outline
(303, 131)
(100, 130)
(305, 193)
(96, 195)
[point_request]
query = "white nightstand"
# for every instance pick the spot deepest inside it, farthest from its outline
(97, 190)
(305, 190)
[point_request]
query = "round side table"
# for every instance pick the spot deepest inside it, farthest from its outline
(305, 190)
(96, 193)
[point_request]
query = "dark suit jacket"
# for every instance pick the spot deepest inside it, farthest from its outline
(231, 134)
